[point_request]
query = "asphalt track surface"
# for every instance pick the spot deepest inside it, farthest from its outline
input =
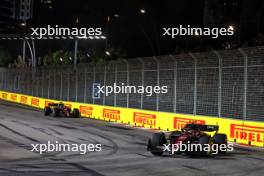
(123, 150)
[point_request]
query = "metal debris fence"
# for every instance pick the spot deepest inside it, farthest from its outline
(228, 83)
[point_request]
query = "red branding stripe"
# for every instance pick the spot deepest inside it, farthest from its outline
(111, 111)
(247, 126)
(249, 130)
(138, 114)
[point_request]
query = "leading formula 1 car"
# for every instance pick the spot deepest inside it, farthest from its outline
(190, 134)
(60, 110)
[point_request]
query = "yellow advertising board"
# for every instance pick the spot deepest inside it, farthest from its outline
(239, 131)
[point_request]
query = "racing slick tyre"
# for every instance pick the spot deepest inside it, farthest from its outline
(205, 143)
(75, 113)
(54, 112)
(220, 139)
(157, 140)
(47, 111)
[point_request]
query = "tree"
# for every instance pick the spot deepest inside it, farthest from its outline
(5, 57)
(19, 63)
(59, 57)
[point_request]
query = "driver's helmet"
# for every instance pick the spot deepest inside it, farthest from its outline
(187, 129)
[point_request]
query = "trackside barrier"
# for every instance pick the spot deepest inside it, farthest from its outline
(239, 131)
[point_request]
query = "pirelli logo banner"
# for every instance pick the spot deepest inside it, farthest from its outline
(35, 101)
(179, 123)
(5, 96)
(247, 133)
(144, 119)
(86, 110)
(23, 99)
(13, 97)
(110, 114)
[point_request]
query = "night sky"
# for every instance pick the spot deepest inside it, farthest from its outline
(136, 35)
(131, 32)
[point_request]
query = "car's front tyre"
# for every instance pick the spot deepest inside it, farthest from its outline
(47, 111)
(154, 144)
(76, 113)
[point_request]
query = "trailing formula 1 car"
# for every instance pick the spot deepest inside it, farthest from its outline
(193, 139)
(60, 110)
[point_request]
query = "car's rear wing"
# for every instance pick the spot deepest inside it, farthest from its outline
(53, 104)
(206, 128)
(211, 128)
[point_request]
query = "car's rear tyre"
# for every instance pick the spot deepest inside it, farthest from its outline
(206, 147)
(220, 139)
(54, 112)
(157, 140)
(75, 113)
(47, 111)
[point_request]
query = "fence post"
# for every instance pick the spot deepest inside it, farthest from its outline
(14, 81)
(245, 82)
(19, 83)
(115, 82)
(142, 73)
(76, 84)
(42, 83)
(24, 51)
(127, 68)
(85, 85)
(158, 82)
(48, 85)
(31, 82)
(68, 87)
(94, 75)
(104, 83)
(195, 85)
(38, 83)
(61, 84)
(55, 82)
(75, 52)
(6, 83)
(175, 84)
(1, 82)
(220, 71)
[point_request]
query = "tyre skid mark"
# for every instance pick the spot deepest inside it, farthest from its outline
(18, 133)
